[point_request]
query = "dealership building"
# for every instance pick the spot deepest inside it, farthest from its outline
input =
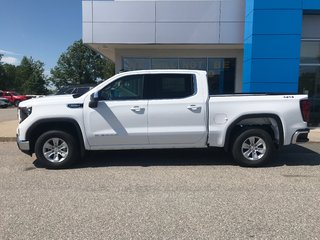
(244, 45)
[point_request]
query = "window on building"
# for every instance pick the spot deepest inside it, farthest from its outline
(130, 64)
(309, 81)
(193, 63)
(221, 75)
(126, 88)
(165, 63)
(221, 71)
(169, 86)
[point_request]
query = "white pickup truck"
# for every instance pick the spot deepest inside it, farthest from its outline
(152, 109)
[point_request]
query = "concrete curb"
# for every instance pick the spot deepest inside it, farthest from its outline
(7, 139)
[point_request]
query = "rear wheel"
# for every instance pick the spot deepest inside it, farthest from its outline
(56, 149)
(252, 147)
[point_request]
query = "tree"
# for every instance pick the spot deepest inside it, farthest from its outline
(79, 65)
(30, 77)
(9, 76)
(2, 74)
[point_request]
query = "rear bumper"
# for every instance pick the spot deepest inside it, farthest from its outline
(300, 136)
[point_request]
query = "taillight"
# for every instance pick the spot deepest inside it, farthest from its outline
(305, 107)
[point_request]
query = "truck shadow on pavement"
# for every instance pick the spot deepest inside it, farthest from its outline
(294, 155)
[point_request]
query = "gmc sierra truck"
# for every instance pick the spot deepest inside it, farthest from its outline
(152, 109)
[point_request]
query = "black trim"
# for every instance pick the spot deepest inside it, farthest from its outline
(303, 137)
(36, 124)
(234, 123)
(75, 105)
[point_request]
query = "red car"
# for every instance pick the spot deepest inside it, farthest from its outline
(13, 97)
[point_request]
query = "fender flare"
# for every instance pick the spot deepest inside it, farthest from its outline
(72, 121)
(258, 115)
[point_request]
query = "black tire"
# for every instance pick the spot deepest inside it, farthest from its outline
(16, 103)
(61, 149)
(252, 147)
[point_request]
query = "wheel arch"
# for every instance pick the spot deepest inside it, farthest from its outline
(64, 124)
(269, 122)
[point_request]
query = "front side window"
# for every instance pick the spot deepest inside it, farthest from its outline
(169, 86)
(125, 88)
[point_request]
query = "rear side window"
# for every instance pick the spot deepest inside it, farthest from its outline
(169, 86)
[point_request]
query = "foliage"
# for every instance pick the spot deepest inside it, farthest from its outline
(9, 72)
(30, 75)
(2, 74)
(27, 78)
(79, 65)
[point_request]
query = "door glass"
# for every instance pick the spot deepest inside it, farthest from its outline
(170, 86)
(125, 88)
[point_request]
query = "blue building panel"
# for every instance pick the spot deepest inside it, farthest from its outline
(272, 43)
(271, 87)
(275, 70)
(277, 22)
(277, 4)
(247, 53)
(275, 46)
(249, 6)
(247, 66)
(249, 26)
(311, 5)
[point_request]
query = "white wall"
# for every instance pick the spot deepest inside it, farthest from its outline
(164, 22)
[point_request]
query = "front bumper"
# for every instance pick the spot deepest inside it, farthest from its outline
(300, 136)
(24, 146)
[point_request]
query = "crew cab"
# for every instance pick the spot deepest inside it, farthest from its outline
(13, 97)
(152, 109)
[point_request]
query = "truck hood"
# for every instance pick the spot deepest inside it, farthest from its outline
(50, 100)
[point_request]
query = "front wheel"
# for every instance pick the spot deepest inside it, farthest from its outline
(56, 149)
(252, 147)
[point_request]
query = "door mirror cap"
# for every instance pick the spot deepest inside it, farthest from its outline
(94, 99)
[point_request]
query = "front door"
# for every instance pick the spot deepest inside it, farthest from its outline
(120, 120)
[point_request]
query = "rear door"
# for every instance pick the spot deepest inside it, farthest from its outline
(176, 110)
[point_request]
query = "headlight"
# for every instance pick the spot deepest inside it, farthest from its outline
(23, 113)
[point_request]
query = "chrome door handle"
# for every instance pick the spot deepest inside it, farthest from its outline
(136, 109)
(193, 107)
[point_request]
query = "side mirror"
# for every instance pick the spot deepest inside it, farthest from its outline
(94, 99)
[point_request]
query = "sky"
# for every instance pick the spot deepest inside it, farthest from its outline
(41, 29)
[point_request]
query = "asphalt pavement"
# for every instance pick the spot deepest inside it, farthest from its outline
(8, 114)
(161, 194)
